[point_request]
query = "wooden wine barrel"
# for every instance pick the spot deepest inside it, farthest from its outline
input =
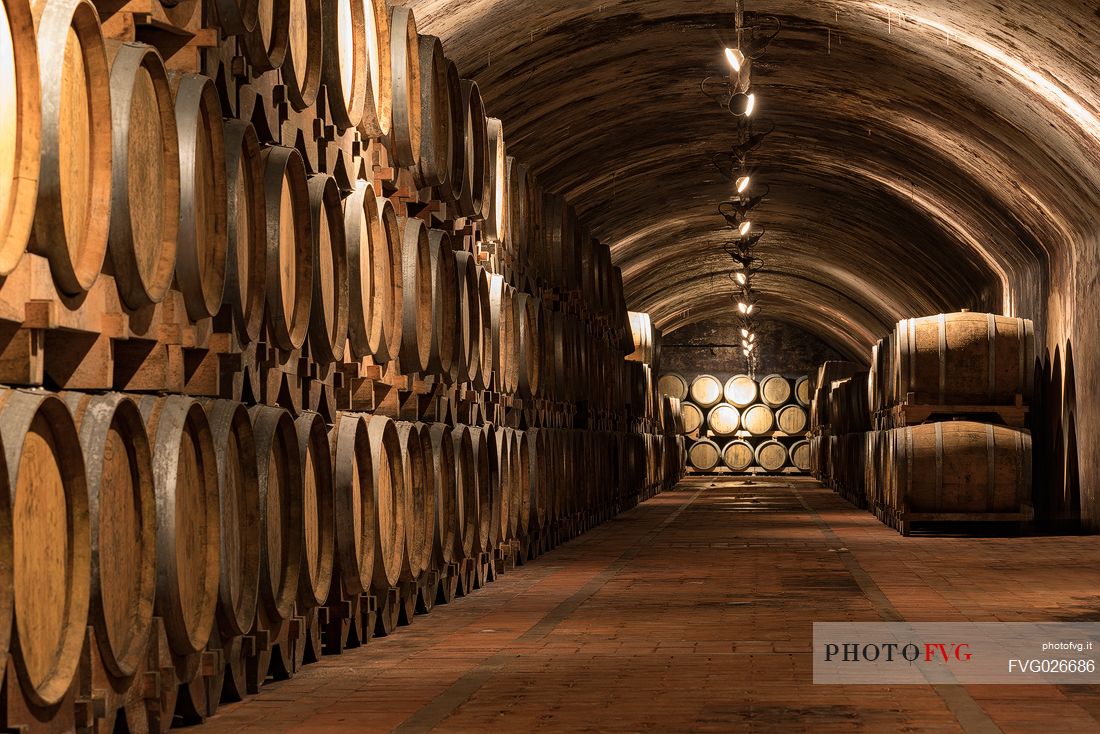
(741, 391)
(391, 237)
(517, 224)
(145, 176)
(496, 206)
(239, 502)
(377, 120)
(521, 498)
(345, 64)
(265, 46)
(72, 216)
(959, 467)
(455, 183)
(483, 376)
(771, 456)
(444, 468)
(704, 455)
(848, 410)
(405, 76)
(506, 479)
(540, 475)
(758, 420)
(803, 390)
(488, 485)
(775, 390)
(738, 455)
(964, 359)
(693, 418)
(185, 474)
(673, 384)
(416, 309)
(467, 500)
(289, 246)
(444, 281)
(468, 310)
(279, 465)
(503, 333)
(318, 513)
(528, 325)
(328, 321)
(723, 419)
(475, 191)
(236, 17)
(641, 330)
(353, 503)
(792, 419)
(370, 273)
(674, 416)
(389, 478)
(118, 464)
(21, 121)
(800, 455)
(434, 162)
(706, 391)
(300, 71)
(246, 254)
(418, 497)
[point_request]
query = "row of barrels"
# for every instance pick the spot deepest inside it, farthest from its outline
(221, 520)
(725, 419)
(739, 455)
(740, 391)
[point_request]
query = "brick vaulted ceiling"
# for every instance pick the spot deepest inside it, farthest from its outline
(927, 155)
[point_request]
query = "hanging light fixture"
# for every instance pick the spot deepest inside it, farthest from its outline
(743, 183)
(735, 58)
(745, 228)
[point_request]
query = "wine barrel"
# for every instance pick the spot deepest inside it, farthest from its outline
(51, 545)
(300, 71)
(236, 17)
(964, 359)
(496, 206)
(641, 330)
(758, 420)
(418, 497)
(848, 410)
(693, 418)
(771, 456)
(289, 246)
(391, 237)
(444, 338)
(528, 325)
(434, 161)
(246, 254)
(370, 273)
(483, 376)
(118, 463)
(540, 477)
(328, 321)
(239, 502)
(738, 455)
(488, 485)
(377, 120)
(72, 217)
(502, 331)
(476, 178)
(959, 467)
(265, 46)
(455, 183)
(803, 389)
(467, 500)
(741, 391)
(345, 64)
(416, 309)
(791, 419)
(723, 419)
(444, 468)
(775, 390)
(318, 513)
(389, 479)
(185, 474)
(279, 465)
(21, 121)
(405, 76)
(800, 455)
(468, 310)
(520, 519)
(704, 455)
(517, 225)
(673, 384)
(706, 391)
(145, 176)
(353, 502)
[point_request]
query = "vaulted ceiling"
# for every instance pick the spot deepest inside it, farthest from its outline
(927, 155)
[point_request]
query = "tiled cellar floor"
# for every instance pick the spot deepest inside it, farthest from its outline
(693, 612)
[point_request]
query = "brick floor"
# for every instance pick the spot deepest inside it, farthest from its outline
(693, 612)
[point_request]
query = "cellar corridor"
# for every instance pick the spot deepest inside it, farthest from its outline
(694, 611)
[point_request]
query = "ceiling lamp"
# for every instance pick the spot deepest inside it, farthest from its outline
(742, 279)
(735, 58)
(745, 333)
(742, 104)
(743, 183)
(745, 228)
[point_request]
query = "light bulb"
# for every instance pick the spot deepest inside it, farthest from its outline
(742, 279)
(743, 183)
(735, 58)
(743, 307)
(752, 337)
(744, 332)
(746, 352)
(751, 105)
(749, 309)
(745, 228)
(750, 347)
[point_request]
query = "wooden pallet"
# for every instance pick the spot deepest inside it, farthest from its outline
(911, 413)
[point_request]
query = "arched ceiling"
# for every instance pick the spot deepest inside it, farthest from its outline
(927, 155)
